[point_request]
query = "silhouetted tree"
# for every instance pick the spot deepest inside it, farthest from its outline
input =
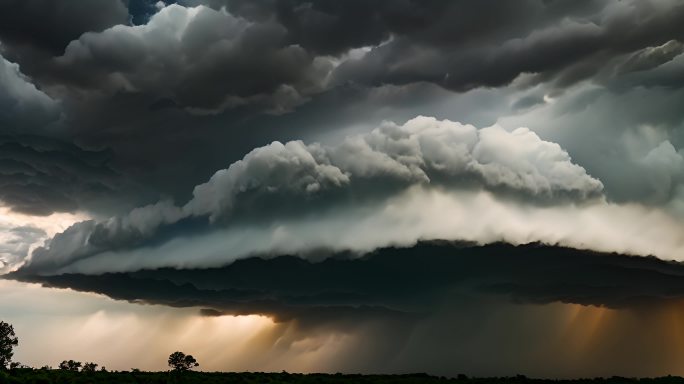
(17, 365)
(70, 365)
(179, 361)
(8, 340)
(89, 367)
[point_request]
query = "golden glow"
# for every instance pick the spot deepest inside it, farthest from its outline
(566, 340)
(584, 325)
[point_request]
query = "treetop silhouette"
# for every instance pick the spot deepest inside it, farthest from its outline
(8, 340)
(180, 362)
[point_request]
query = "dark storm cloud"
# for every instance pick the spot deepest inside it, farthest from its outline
(210, 85)
(457, 45)
(39, 172)
(50, 25)
(270, 53)
(40, 176)
(410, 281)
(199, 58)
(323, 26)
(23, 107)
(562, 49)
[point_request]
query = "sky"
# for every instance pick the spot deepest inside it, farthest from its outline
(386, 186)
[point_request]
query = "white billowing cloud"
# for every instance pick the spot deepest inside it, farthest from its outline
(525, 162)
(291, 182)
(422, 151)
(278, 167)
(22, 105)
(146, 219)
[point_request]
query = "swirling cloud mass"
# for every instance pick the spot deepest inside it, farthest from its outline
(346, 167)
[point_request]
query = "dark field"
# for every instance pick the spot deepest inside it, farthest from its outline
(34, 376)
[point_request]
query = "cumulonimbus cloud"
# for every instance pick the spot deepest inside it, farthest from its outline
(286, 181)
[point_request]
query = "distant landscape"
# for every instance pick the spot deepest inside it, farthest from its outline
(42, 376)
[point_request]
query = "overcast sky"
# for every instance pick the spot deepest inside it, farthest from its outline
(534, 148)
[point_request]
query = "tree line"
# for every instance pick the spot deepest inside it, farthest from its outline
(178, 361)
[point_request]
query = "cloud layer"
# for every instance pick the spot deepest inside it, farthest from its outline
(362, 170)
(421, 278)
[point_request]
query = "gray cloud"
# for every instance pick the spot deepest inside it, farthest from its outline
(652, 57)
(41, 173)
(51, 25)
(553, 44)
(322, 25)
(40, 176)
(22, 106)
(201, 59)
(16, 242)
(635, 151)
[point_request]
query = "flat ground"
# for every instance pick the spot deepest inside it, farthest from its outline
(36, 376)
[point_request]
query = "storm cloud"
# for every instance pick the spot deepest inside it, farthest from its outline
(201, 59)
(50, 26)
(22, 106)
(140, 105)
(384, 179)
(235, 75)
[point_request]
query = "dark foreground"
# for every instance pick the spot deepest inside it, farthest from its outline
(33, 376)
